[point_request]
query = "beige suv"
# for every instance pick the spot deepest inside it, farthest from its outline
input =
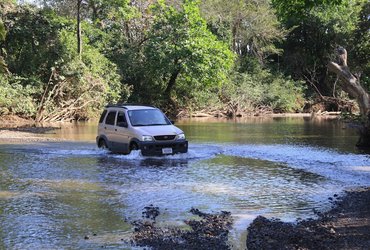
(126, 127)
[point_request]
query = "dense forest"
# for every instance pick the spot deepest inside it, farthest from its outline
(66, 59)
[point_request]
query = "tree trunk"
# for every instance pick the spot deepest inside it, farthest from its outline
(171, 83)
(352, 86)
(79, 39)
(170, 103)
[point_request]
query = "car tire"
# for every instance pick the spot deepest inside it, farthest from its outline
(133, 146)
(102, 144)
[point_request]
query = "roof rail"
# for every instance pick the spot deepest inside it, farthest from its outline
(123, 105)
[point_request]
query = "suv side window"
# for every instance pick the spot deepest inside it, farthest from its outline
(121, 119)
(111, 117)
(102, 116)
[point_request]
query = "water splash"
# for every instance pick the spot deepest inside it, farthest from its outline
(196, 151)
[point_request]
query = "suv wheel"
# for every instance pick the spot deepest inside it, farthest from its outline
(102, 144)
(133, 146)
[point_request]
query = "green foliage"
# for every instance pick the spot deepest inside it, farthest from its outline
(252, 26)
(79, 89)
(172, 55)
(293, 11)
(340, 20)
(42, 46)
(2, 31)
(264, 90)
(16, 99)
(31, 42)
(3, 66)
(361, 46)
(100, 12)
(317, 28)
(106, 10)
(181, 54)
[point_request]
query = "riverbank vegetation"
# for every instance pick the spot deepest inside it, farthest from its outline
(65, 60)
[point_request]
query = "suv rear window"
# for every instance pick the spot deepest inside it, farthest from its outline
(111, 117)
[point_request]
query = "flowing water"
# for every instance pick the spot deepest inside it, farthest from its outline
(53, 194)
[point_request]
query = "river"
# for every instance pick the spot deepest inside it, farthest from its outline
(54, 194)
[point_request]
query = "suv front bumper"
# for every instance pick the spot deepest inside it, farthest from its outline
(154, 148)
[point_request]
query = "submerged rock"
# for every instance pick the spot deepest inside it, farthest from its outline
(210, 232)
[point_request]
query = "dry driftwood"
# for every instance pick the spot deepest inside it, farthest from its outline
(352, 86)
(350, 83)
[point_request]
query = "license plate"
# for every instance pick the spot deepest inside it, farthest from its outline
(166, 151)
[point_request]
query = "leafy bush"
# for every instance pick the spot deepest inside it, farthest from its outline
(78, 89)
(15, 98)
(248, 92)
(42, 49)
(265, 89)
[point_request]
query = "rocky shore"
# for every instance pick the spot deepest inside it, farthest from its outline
(345, 226)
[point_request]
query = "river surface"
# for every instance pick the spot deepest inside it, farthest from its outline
(53, 194)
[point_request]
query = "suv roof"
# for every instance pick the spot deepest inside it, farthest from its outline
(130, 106)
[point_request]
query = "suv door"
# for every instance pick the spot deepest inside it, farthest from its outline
(122, 133)
(109, 127)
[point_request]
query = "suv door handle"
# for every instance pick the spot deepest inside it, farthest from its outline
(115, 129)
(105, 127)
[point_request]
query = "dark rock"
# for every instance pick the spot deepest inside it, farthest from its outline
(150, 212)
(210, 232)
(346, 226)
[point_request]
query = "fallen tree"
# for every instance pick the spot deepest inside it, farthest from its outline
(351, 85)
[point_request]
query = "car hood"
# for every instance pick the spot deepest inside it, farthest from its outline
(159, 130)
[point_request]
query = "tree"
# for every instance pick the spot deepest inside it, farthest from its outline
(30, 42)
(3, 66)
(252, 26)
(352, 86)
(292, 12)
(316, 28)
(43, 57)
(97, 11)
(360, 61)
(181, 53)
(2, 31)
(5, 7)
(79, 38)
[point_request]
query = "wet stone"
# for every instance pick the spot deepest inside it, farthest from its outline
(150, 212)
(210, 232)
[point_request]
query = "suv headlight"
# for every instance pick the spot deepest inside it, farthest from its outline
(181, 136)
(147, 138)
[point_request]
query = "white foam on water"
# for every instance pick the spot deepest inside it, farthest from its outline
(195, 151)
(350, 169)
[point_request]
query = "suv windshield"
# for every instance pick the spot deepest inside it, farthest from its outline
(147, 117)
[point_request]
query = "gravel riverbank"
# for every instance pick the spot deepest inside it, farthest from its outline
(345, 226)
(26, 135)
